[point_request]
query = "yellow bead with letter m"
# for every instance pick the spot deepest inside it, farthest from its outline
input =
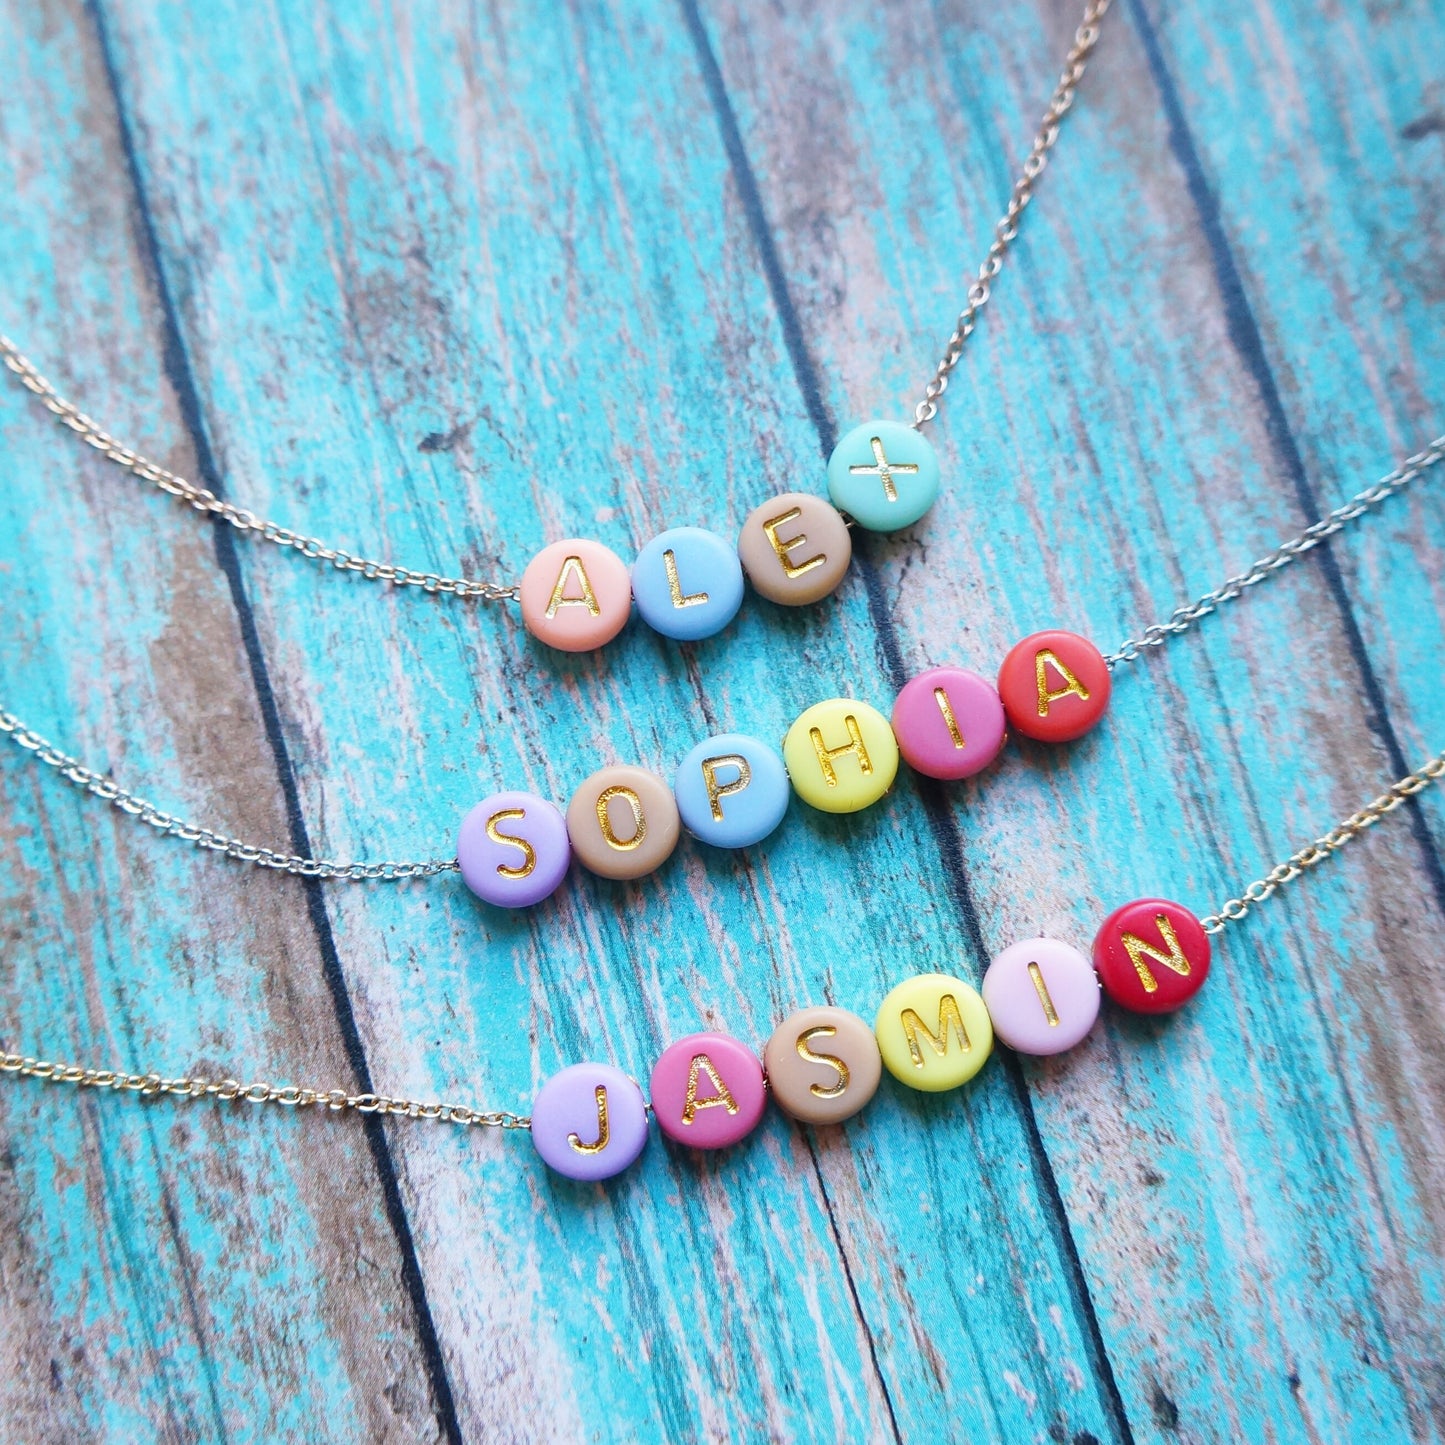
(934, 1032)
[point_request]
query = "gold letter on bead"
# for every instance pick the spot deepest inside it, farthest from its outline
(603, 1132)
(1138, 950)
(946, 708)
(723, 1095)
(679, 599)
(1046, 658)
(1046, 1001)
(949, 1018)
(604, 819)
(783, 546)
(716, 792)
(572, 567)
(529, 853)
(808, 1056)
(854, 745)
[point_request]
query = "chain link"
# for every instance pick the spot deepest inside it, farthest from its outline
(208, 503)
(1086, 37)
(336, 1101)
(1183, 617)
(1313, 854)
(88, 780)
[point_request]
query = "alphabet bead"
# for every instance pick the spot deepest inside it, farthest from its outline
(1054, 686)
(1042, 996)
(841, 755)
(623, 822)
(822, 1064)
(949, 723)
(513, 849)
(589, 1122)
(795, 549)
(934, 1032)
(1152, 956)
(732, 791)
(884, 475)
(708, 1091)
(688, 583)
(576, 595)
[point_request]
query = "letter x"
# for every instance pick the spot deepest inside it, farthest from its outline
(886, 470)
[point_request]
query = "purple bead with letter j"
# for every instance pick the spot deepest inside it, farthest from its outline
(513, 849)
(589, 1122)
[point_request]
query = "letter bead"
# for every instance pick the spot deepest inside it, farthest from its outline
(1152, 956)
(708, 1091)
(884, 475)
(589, 1122)
(1055, 686)
(934, 1032)
(949, 723)
(576, 595)
(823, 1065)
(513, 850)
(732, 791)
(623, 822)
(688, 583)
(841, 755)
(795, 549)
(1042, 996)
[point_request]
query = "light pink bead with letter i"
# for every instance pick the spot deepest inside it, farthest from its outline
(1042, 995)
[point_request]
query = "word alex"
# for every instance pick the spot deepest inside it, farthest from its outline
(822, 1065)
(577, 595)
(514, 848)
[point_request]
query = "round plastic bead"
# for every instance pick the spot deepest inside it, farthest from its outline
(884, 475)
(513, 849)
(589, 1122)
(823, 1065)
(731, 791)
(841, 755)
(1042, 996)
(687, 583)
(795, 549)
(934, 1032)
(623, 822)
(708, 1091)
(1152, 956)
(575, 595)
(949, 723)
(1055, 686)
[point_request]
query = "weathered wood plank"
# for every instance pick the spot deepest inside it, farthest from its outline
(425, 305)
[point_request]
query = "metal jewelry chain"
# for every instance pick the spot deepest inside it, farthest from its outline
(339, 1101)
(243, 520)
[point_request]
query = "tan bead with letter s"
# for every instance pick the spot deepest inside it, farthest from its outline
(623, 822)
(795, 549)
(822, 1064)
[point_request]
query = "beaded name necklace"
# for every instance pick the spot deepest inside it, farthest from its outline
(515, 848)
(822, 1064)
(687, 583)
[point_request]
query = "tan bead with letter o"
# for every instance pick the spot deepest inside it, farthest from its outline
(623, 822)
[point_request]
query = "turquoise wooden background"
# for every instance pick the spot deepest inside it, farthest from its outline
(445, 281)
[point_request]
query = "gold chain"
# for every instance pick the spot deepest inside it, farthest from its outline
(339, 1101)
(1313, 854)
(336, 1101)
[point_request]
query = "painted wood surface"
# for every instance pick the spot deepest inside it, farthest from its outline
(444, 282)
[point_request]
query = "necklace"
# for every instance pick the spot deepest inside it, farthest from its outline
(688, 583)
(822, 1064)
(514, 848)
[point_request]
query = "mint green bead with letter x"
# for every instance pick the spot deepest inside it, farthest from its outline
(884, 475)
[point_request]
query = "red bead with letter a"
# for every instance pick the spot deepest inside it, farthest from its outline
(1054, 686)
(1152, 956)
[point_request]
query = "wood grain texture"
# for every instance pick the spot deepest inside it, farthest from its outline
(444, 282)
